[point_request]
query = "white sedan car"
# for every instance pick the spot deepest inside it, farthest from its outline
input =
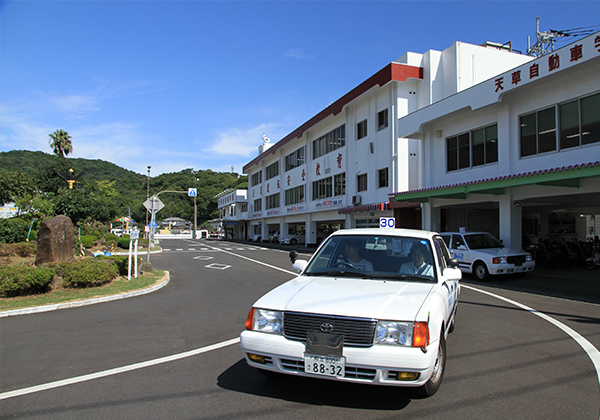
(372, 306)
(482, 254)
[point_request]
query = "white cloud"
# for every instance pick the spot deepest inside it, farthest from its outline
(242, 142)
(299, 54)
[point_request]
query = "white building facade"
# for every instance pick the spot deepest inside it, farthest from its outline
(517, 155)
(339, 168)
(233, 212)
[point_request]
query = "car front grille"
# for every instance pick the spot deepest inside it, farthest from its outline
(517, 260)
(352, 372)
(357, 332)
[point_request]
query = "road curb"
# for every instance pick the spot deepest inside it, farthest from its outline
(78, 303)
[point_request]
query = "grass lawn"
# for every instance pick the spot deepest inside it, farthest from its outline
(118, 286)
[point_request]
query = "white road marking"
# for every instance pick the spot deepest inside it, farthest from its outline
(588, 347)
(115, 371)
(218, 266)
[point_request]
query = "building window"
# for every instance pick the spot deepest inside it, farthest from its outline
(272, 201)
(322, 188)
(244, 208)
(382, 119)
(339, 184)
(272, 170)
(294, 195)
(474, 148)
(538, 132)
(383, 177)
(258, 204)
(256, 178)
(295, 159)
(580, 122)
(329, 142)
(362, 182)
(361, 129)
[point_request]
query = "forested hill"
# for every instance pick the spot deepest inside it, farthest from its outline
(130, 186)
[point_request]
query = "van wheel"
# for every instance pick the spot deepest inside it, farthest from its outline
(293, 241)
(481, 271)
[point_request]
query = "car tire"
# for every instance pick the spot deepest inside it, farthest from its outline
(433, 384)
(481, 271)
(293, 241)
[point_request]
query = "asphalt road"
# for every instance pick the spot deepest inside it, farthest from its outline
(173, 354)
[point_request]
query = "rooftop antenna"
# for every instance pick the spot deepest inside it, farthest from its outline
(545, 40)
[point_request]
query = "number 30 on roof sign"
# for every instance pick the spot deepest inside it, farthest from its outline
(387, 222)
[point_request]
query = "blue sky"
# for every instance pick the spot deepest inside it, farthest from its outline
(195, 84)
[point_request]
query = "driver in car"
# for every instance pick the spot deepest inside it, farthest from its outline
(352, 250)
(418, 265)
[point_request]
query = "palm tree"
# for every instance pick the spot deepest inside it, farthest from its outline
(60, 142)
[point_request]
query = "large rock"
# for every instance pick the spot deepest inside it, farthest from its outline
(55, 241)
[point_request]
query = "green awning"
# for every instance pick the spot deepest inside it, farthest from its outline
(564, 177)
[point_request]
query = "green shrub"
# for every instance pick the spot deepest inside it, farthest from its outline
(25, 249)
(88, 241)
(122, 262)
(19, 280)
(13, 230)
(87, 273)
(123, 243)
(33, 235)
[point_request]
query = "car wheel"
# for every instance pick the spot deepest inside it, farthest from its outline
(293, 241)
(481, 271)
(434, 382)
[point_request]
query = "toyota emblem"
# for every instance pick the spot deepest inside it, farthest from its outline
(326, 327)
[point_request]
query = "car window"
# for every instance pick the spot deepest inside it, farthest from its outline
(482, 240)
(457, 240)
(375, 257)
(442, 252)
(446, 239)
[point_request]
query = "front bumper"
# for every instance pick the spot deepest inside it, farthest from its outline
(379, 364)
(511, 268)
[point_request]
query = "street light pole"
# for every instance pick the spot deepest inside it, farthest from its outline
(147, 193)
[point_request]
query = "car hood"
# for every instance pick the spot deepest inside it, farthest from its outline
(392, 300)
(495, 252)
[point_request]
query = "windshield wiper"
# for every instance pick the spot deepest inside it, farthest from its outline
(339, 273)
(403, 277)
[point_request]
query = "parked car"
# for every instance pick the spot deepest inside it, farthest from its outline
(292, 238)
(300, 238)
(482, 254)
(361, 312)
(116, 232)
(255, 238)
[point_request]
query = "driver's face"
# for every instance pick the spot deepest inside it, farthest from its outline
(417, 258)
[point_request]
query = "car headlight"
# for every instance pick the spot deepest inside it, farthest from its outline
(264, 320)
(500, 260)
(394, 332)
(528, 257)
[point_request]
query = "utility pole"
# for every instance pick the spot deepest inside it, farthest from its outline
(148, 193)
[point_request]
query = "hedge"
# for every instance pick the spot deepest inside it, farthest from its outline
(88, 240)
(19, 280)
(87, 273)
(122, 262)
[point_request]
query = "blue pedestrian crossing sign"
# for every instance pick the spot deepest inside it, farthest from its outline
(153, 224)
(192, 192)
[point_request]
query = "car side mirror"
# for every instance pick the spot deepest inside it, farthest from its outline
(299, 265)
(293, 256)
(452, 262)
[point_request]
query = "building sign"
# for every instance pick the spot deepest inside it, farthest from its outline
(273, 212)
(561, 59)
(329, 203)
(297, 207)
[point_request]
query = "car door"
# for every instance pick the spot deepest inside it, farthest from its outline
(459, 250)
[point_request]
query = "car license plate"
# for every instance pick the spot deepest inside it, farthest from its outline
(517, 269)
(324, 365)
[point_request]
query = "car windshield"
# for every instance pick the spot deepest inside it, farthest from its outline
(482, 240)
(378, 257)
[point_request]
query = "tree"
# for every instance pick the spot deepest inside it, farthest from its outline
(14, 185)
(60, 142)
